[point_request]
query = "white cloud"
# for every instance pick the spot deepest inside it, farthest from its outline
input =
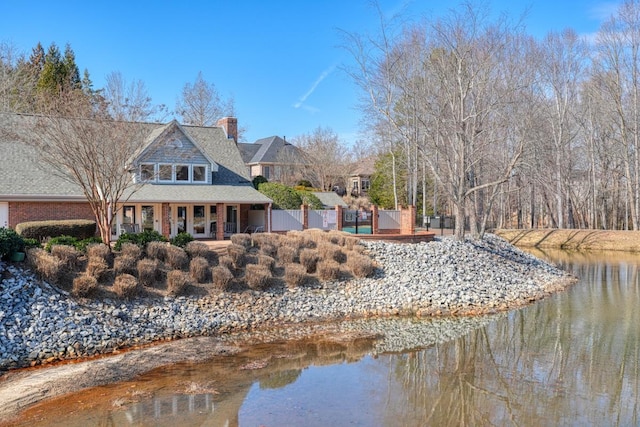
(313, 87)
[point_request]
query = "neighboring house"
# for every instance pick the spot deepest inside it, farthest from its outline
(194, 181)
(360, 177)
(274, 158)
(330, 199)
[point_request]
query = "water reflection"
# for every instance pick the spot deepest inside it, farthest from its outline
(572, 359)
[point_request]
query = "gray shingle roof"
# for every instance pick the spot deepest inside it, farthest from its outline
(271, 150)
(22, 176)
(330, 199)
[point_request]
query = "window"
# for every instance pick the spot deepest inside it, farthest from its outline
(147, 172)
(182, 173)
(165, 172)
(265, 171)
(365, 185)
(199, 173)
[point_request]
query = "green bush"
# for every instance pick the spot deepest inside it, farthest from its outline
(10, 242)
(283, 197)
(310, 200)
(259, 180)
(140, 239)
(78, 228)
(182, 239)
(80, 245)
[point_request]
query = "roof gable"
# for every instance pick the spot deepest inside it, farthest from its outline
(271, 150)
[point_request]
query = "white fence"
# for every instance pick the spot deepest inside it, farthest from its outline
(285, 220)
(323, 219)
(389, 220)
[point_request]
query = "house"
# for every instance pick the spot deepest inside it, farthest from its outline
(274, 158)
(360, 177)
(192, 179)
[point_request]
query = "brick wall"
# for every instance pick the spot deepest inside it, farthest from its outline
(42, 211)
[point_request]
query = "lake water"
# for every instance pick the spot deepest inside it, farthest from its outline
(572, 359)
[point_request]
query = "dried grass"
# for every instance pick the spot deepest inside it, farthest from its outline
(267, 261)
(97, 268)
(131, 250)
(48, 266)
(176, 258)
(126, 286)
(124, 264)
(287, 254)
(84, 286)
(99, 250)
(177, 282)
(360, 265)
(197, 249)
(330, 251)
(242, 239)
(328, 270)
(157, 250)
(260, 239)
(257, 276)
(295, 275)
(148, 271)
(309, 259)
(221, 277)
(199, 269)
(225, 261)
(238, 255)
(268, 249)
(69, 256)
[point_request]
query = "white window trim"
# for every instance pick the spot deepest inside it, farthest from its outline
(204, 176)
(174, 168)
(172, 173)
(153, 174)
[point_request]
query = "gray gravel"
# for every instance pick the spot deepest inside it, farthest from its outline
(39, 323)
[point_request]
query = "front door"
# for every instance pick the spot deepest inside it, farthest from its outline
(181, 219)
(4, 215)
(199, 221)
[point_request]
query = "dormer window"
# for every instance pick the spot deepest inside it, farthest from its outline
(182, 172)
(165, 173)
(147, 172)
(199, 173)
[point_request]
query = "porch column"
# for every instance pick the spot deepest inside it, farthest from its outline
(220, 224)
(166, 220)
(267, 217)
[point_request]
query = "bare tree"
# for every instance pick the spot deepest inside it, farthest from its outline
(324, 156)
(201, 104)
(129, 101)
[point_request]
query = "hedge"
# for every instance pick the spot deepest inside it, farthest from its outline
(78, 228)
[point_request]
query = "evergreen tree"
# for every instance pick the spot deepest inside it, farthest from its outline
(70, 70)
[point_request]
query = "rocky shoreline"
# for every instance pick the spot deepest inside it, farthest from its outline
(41, 324)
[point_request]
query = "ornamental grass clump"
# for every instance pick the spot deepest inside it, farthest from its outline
(360, 265)
(242, 239)
(350, 242)
(267, 261)
(328, 270)
(287, 254)
(268, 249)
(221, 277)
(199, 269)
(257, 277)
(97, 268)
(177, 258)
(99, 250)
(48, 266)
(226, 261)
(84, 286)
(260, 239)
(157, 250)
(69, 256)
(309, 259)
(177, 282)
(148, 271)
(126, 286)
(130, 250)
(336, 237)
(329, 251)
(125, 264)
(197, 249)
(238, 255)
(295, 275)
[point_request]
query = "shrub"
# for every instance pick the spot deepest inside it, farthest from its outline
(181, 239)
(266, 238)
(287, 254)
(267, 261)
(199, 269)
(99, 250)
(238, 255)
(148, 271)
(60, 240)
(350, 242)
(360, 265)
(82, 245)
(125, 264)
(294, 275)
(328, 270)
(197, 249)
(337, 237)
(31, 243)
(157, 250)
(130, 250)
(177, 282)
(309, 259)
(268, 249)
(140, 239)
(226, 261)
(126, 286)
(257, 276)
(358, 248)
(40, 230)
(221, 277)
(84, 286)
(48, 267)
(310, 199)
(258, 180)
(10, 242)
(330, 251)
(283, 197)
(177, 258)
(97, 267)
(69, 255)
(241, 239)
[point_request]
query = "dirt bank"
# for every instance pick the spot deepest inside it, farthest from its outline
(596, 240)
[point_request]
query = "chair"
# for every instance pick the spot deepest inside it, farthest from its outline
(254, 229)
(229, 229)
(128, 228)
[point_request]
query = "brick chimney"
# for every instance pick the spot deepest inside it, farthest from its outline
(230, 126)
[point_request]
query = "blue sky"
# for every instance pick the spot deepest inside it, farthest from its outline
(279, 59)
